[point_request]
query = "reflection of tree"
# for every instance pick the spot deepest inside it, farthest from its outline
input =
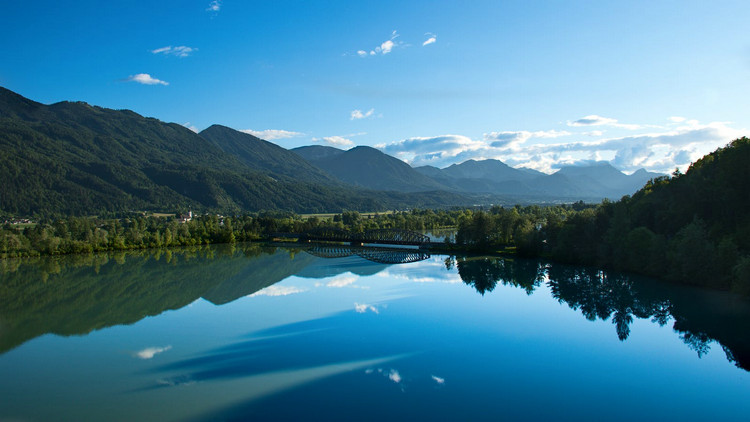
(483, 273)
(76, 294)
(699, 317)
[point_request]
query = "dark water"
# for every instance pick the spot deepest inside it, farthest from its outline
(251, 333)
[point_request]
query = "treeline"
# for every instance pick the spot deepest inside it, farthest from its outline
(692, 228)
(83, 235)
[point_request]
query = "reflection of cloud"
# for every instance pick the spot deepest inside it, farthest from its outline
(214, 6)
(363, 307)
(438, 380)
(342, 280)
(278, 291)
(434, 266)
(150, 352)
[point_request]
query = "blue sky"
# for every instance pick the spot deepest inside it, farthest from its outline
(652, 84)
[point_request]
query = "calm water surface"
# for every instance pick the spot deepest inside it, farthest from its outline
(251, 333)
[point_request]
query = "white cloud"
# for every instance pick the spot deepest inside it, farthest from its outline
(394, 376)
(677, 119)
(438, 380)
(145, 79)
(191, 127)
(335, 140)
(384, 48)
(272, 134)
(431, 40)
(659, 151)
(594, 120)
(357, 114)
(179, 51)
(594, 133)
(502, 139)
(214, 6)
(276, 290)
(150, 352)
(361, 308)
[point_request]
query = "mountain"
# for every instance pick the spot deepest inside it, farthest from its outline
(493, 170)
(316, 152)
(602, 179)
(369, 168)
(591, 182)
(264, 156)
(72, 158)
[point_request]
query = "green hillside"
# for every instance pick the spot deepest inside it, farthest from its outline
(77, 159)
(265, 156)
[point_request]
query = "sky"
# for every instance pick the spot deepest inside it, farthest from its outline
(537, 84)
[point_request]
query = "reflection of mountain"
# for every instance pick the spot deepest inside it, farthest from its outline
(74, 295)
(700, 316)
(265, 270)
(324, 268)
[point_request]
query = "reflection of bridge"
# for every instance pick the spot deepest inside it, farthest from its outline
(378, 236)
(379, 255)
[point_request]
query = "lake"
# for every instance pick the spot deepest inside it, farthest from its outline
(333, 333)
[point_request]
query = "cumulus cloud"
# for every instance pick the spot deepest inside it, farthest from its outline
(358, 114)
(278, 291)
(394, 376)
(432, 38)
(179, 51)
(659, 151)
(335, 140)
(145, 79)
(214, 6)
(150, 352)
(384, 48)
(272, 134)
(594, 120)
(505, 139)
(438, 380)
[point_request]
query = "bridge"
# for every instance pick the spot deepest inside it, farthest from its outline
(376, 236)
(379, 255)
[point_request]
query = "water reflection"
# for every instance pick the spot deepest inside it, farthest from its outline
(700, 316)
(78, 294)
(388, 256)
(74, 295)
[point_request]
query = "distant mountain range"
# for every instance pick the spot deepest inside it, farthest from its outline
(71, 158)
(370, 168)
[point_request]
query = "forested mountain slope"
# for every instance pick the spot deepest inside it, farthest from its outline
(72, 158)
(264, 156)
